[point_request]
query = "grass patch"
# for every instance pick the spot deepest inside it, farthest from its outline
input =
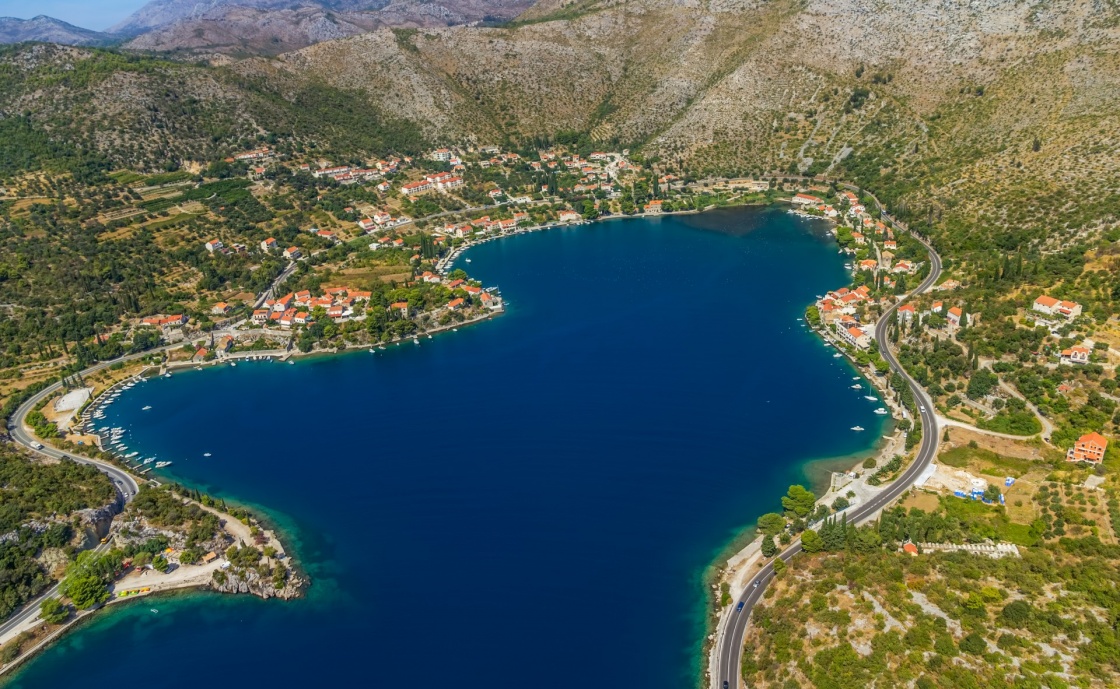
(962, 457)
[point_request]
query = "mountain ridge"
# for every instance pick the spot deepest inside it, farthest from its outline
(50, 30)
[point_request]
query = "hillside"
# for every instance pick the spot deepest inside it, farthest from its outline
(275, 26)
(49, 30)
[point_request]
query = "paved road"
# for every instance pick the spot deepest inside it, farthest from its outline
(124, 483)
(729, 641)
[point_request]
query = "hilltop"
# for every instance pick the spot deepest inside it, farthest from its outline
(49, 30)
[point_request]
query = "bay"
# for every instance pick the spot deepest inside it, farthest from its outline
(530, 501)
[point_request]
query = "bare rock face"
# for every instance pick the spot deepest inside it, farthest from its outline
(234, 580)
(95, 522)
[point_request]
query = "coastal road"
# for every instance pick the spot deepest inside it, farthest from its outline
(729, 638)
(123, 481)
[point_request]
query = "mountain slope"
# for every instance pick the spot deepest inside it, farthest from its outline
(275, 26)
(49, 30)
(934, 104)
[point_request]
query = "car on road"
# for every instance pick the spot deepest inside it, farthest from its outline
(922, 409)
(36, 444)
(756, 583)
(724, 684)
(739, 607)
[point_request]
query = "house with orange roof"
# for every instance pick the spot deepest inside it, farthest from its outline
(859, 238)
(1075, 355)
(1054, 307)
(269, 244)
(490, 301)
(200, 355)
(220, 309)
(292, 253)
(937, 306)
(570, 216)
(401, 306)
(261, 315)
(954, 316)
(868, 264)
(853, 335)
(805, 200)
(455, 303)
(1088, 448)
(1045, 304)
(906, 312)
(214, 245)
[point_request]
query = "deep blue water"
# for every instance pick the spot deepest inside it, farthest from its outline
(531, 501)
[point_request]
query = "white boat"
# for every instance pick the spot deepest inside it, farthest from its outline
(160, 465)
(857, 428)
(167, 375)
(855, 377)
(857, 387)
(372, 350)
(837, 355)
(130, 455)
(873, 398)
(468, 260)
(149, 460)
(881, 410)
(429, 337)
(205, 454)
(146, 408)
(291, 362)
(233, 363)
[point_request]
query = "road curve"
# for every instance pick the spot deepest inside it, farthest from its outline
(729, 642)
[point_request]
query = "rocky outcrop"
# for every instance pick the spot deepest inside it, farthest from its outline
(233, 580)
(95, 522)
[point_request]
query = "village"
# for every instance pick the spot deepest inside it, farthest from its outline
(881, 260)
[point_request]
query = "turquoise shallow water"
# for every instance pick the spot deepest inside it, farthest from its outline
(531, 501)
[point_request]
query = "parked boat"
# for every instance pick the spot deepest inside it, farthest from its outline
(873, 398)
(881, 410)
(857, 428)
(205, 454)
(857, 386)
(146, 407)
(160, 465)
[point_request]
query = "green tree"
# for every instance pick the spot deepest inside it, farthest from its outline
(974, 644)
(85, 590)
(53, 611)
(1016, 614)
(811, 542)
(769, 547)
(799, 501)
(771, 523)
